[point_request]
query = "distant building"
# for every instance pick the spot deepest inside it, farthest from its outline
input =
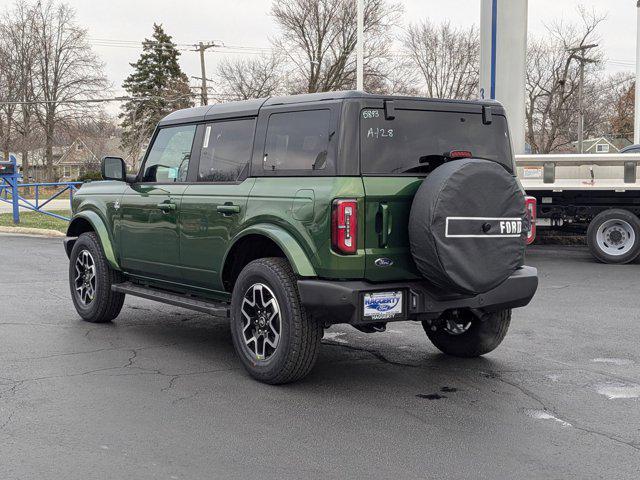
(602, 145)
(72, 161)
(76, 160)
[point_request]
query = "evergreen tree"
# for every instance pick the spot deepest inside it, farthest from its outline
(158, 78)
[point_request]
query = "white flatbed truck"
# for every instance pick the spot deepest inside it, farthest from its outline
(602, 199)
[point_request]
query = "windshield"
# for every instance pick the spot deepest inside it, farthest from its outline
(417, 141)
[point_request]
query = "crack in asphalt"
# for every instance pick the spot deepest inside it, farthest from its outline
(6, 422)
(570, 367)
(494, 375)
(375, 353)
(131, 359)
(553, 412)
(171, 383)
(98, 350)
(34, 324)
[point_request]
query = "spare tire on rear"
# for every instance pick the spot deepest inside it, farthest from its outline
(468, 226)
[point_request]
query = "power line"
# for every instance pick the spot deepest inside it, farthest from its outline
(95, 100)
(221, 46)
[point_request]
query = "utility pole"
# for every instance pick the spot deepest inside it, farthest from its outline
(583, 61)
(636, 130)
(202, 47)
(360, 47)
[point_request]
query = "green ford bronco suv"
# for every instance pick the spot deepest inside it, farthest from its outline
(290, 214)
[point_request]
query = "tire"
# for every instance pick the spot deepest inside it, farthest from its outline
(468, 226)
(482, 336)
(294, 353)
(613, 236)
(96, 304)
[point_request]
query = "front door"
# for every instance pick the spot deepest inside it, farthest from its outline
(150, 208)
(213, 207)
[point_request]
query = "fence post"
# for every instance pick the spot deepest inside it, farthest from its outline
(15, 198)
(71, 188)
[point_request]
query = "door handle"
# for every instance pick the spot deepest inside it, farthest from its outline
(384, 224)
(167, 207)
(228, 209)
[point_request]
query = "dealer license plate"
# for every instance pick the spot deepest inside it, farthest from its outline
(382, 305)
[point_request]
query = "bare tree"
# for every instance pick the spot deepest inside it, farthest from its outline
(619, 97)
(319, 39)
(9, 86)
(447, 58)
(66, 70)
(552, 84)
(243, 79)
(18, 38)
(400, 78)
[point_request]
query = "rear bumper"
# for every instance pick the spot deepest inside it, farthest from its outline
(342, 301)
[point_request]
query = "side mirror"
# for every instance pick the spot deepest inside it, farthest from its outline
(113, 168)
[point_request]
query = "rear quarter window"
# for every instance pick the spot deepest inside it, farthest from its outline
(297, 141)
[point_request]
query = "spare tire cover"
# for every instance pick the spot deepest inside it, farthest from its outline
(468, 226)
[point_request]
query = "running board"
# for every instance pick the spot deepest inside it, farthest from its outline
(218, 309)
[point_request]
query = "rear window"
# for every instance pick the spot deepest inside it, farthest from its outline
(416, 141)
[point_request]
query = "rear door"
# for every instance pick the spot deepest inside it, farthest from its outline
(395, 156)
(214, 206)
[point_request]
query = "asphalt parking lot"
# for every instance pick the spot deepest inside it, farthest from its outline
(159, 393)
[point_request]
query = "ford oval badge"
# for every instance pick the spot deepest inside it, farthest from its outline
(383, 262)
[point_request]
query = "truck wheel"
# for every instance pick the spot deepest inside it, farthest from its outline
(464, 334)
(90, 280)
(613, 236)
(273, 336)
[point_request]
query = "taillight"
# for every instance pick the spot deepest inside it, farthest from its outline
(530, 205)
(344, 226)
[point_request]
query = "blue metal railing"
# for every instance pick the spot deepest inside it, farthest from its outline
(10, 185)
(7, 188)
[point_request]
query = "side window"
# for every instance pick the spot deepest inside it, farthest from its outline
(297, 140)
(168, 159)
(226, 150)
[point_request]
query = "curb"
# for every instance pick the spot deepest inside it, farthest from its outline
(36, 232)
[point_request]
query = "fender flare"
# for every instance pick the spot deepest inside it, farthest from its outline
(297, 257)
(99, 226)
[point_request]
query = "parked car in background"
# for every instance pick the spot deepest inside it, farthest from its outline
(631, 149)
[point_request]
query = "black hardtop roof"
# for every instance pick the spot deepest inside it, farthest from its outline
(250, 108)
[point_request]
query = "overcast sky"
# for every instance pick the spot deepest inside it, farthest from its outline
(247, 23)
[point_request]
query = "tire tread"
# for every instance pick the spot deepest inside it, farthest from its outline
(109, 303)
(592, 231)
(480, 339)
(306, 332)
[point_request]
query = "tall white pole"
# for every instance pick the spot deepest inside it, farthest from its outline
(360, 47)
(503, 55)
(636, 129)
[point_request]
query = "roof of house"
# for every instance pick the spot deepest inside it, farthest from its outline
(67, 157)
(598, 141)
